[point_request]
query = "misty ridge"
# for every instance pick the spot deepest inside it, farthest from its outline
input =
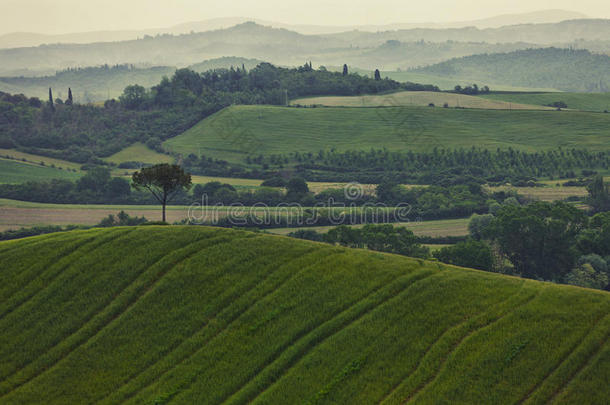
(26, 39)
(281, 46)
(569, 55)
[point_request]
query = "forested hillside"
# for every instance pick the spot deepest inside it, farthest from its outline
(563, 69)
(101, 83)
(90, 84)
(62, 128)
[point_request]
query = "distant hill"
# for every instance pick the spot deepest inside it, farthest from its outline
(26, 39)
(100, 83)
(386, 50)
(394, 54)
(224, 63)
(563, 69)
(548, 33)
(89, 84)
(248, 40)
(194, 315)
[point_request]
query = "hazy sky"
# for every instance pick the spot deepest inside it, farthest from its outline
(61, 16)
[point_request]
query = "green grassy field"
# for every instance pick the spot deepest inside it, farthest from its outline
(139, 152)
(15, 171)
(39, 159)
(416, 98)
(577, 101)
(203, 315)
(235, 132)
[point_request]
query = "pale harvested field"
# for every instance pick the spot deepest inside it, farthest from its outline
(16, 214)
(416, 98)
(17, 217)
(546, 193)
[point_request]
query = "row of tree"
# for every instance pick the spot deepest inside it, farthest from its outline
(439, 166)
(471, 90)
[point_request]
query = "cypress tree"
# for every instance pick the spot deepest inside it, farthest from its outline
(51, 103)
(377, 74)
(345, 70)
(70, 100)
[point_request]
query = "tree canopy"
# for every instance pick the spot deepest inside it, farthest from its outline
(163, 181)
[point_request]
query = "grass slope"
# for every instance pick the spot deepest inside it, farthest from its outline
(15, 171)
(576, 101)
(203, 315)
(138, 152)
(39, 159)
(420, 98)
(237, 131)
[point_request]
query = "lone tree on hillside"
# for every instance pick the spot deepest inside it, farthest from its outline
(164, 181)
(345, 70)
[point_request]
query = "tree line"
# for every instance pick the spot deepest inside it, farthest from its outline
(439, 166)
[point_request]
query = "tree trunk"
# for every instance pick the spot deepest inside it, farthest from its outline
(164, 212)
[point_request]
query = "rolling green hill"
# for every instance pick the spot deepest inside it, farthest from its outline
(235, 132)
(204, 315)
(138, 152)
(15, 171)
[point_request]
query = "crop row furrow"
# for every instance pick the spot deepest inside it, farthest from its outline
(189, 347)
(451, 334)
(19, 244)
(190, 379)
(292, 352)
(577, 358)
(120, 303)
(416, 385)
(604, 348)
(19, 273)
(31, 289)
